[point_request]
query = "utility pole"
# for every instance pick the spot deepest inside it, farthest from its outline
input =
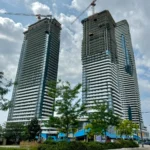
(140, 128)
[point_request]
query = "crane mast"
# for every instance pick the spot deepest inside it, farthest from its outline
(93, 6)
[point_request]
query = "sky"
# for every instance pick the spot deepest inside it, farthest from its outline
(136, 12)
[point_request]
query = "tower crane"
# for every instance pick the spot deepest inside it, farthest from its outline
(92, 4)
(23, 14)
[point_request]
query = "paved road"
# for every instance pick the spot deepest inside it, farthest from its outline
(146, 147)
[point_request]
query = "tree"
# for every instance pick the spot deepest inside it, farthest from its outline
(89, 131)
(4, 88)
(101, 118)
(14, 131)
(126, 127)
(33, 129)
(1, 131)
(68, 107)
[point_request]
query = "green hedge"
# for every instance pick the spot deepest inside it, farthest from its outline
(87, 145)
(128, 143)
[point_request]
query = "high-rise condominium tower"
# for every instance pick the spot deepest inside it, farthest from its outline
(109, 73)
(38, 64)
(100, 62)
(128, 85)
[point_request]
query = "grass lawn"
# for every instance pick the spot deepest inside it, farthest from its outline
(11, 148)
(16, 148)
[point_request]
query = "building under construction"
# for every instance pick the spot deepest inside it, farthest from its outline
(109, 73)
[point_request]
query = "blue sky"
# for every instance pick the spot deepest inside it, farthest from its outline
(11, 36)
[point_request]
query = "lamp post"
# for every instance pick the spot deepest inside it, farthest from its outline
(141, 128)
(141, 132)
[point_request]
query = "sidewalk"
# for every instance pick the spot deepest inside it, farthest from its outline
(146, 147)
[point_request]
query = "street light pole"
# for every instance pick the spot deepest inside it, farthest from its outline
(141, 128)
(141, 133)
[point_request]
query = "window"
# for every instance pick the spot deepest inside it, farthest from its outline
(128, 67)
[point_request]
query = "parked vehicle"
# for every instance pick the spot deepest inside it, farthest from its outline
(147, 143)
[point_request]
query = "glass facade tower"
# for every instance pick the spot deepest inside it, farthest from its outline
(38, 64)
(129, 90)
(100, 62)
(109, 72)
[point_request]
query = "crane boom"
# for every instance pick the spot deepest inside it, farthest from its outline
(81, 14)
(23, 14)
(92, 4)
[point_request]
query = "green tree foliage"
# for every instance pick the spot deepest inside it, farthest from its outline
(33, 129)
(89, 131)
(126, 127)
(101, 118)
(68, 107)
(4, 89)
(14, 131)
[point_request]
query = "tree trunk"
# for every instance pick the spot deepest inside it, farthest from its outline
(94, 138)
(105, 137)
(67, 135)
(87, 138)
(74, 138)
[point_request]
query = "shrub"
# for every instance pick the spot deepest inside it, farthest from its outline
(128, 143)
(31, 145)
(112, 145)
(63, 146)
(95, 146)
(76, 145)
(54, 146)
(50, 141)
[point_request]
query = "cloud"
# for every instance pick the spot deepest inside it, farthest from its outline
(2, 11)
(144, 85)
(142, 61)
(70, 49)
(140, 71)
(39, 8)
(54, 5)
(4, 115)
(80, 5)
(11, 37)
